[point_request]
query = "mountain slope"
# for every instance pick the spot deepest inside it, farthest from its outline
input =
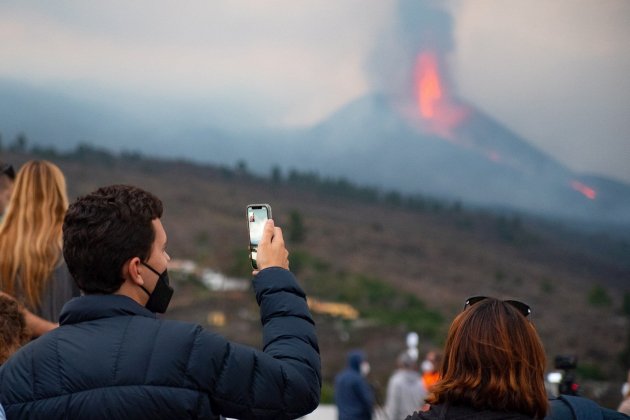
(483, 164)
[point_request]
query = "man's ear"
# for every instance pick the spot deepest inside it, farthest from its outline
(130, 271)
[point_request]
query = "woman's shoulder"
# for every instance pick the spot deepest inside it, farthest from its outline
(434, 412)
(463, 413)
(420, 415)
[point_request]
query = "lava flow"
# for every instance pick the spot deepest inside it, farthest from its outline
(584, 189)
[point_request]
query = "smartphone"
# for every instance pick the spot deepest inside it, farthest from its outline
(257, 216)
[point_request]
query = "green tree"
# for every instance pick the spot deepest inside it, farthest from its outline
(599, 297)
(297, 231)
(20, 143)
(276, 175)
(241, 167)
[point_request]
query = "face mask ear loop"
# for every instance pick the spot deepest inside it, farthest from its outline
(145, 290)
(150, 268)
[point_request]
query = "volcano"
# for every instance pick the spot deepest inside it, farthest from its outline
(431, 143)
(440, 145)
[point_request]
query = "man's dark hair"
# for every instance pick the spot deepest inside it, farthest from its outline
(104, 229)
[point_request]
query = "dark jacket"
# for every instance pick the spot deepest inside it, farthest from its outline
(564, 408)
(353, 395)
(59, 289)
(568, 407)
(446, 412)
(112, 358)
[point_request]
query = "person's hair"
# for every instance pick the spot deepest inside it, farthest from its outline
(493, 360)
(103, 230)
(6, 172)
(30, 233)
(13, 332)
(406, 361)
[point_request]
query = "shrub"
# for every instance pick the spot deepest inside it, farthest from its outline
(599, 297)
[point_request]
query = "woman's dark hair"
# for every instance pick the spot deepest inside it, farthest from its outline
(493, 360)
(104, 229)
(13, 330)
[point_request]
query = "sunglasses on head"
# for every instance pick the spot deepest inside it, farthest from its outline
(7, 169)
(523, 308)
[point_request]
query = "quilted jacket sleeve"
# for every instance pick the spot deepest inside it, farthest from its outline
(281, 382)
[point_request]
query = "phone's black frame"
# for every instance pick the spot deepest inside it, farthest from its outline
(253, 248)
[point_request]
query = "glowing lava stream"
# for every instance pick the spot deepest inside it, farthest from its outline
(584, 189)
(429, 88)
(441, 115)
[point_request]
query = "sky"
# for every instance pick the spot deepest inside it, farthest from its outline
(554, 71)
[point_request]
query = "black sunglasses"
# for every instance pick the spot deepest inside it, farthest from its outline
(523, 308)
(7, 170)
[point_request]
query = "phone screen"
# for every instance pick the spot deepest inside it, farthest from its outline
(257, 215)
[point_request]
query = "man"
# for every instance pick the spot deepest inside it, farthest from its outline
(353, 395)
(7, 178)
(405, 390)
(112, 358)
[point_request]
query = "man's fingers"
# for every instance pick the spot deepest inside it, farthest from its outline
(268, 232)
(277, 235)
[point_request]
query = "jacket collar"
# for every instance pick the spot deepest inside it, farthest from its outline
(91, 307)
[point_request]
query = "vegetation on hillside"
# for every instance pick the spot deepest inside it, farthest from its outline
(405, 262)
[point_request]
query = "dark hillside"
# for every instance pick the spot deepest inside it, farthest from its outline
(404, 263)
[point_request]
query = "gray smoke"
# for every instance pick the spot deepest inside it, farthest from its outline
(419, 25)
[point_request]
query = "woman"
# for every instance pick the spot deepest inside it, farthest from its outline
(624, 407)
(31, 264)
(493, 366)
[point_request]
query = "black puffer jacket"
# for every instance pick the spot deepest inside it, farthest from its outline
(111, 358)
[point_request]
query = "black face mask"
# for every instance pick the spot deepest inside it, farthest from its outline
(161, 296)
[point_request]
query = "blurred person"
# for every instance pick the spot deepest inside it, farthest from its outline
(7, 178)
(405, 390)
(32, 268)
(430, 367)
(13, 331)
(353, 395)
(493, 368)
(113, 358)
(624, 407)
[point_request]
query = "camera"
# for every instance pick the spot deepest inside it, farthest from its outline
(565, 362)
(564, 381)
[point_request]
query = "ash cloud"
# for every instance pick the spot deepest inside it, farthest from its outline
(418, 25)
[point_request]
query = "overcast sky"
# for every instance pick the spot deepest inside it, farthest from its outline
(554, 71)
